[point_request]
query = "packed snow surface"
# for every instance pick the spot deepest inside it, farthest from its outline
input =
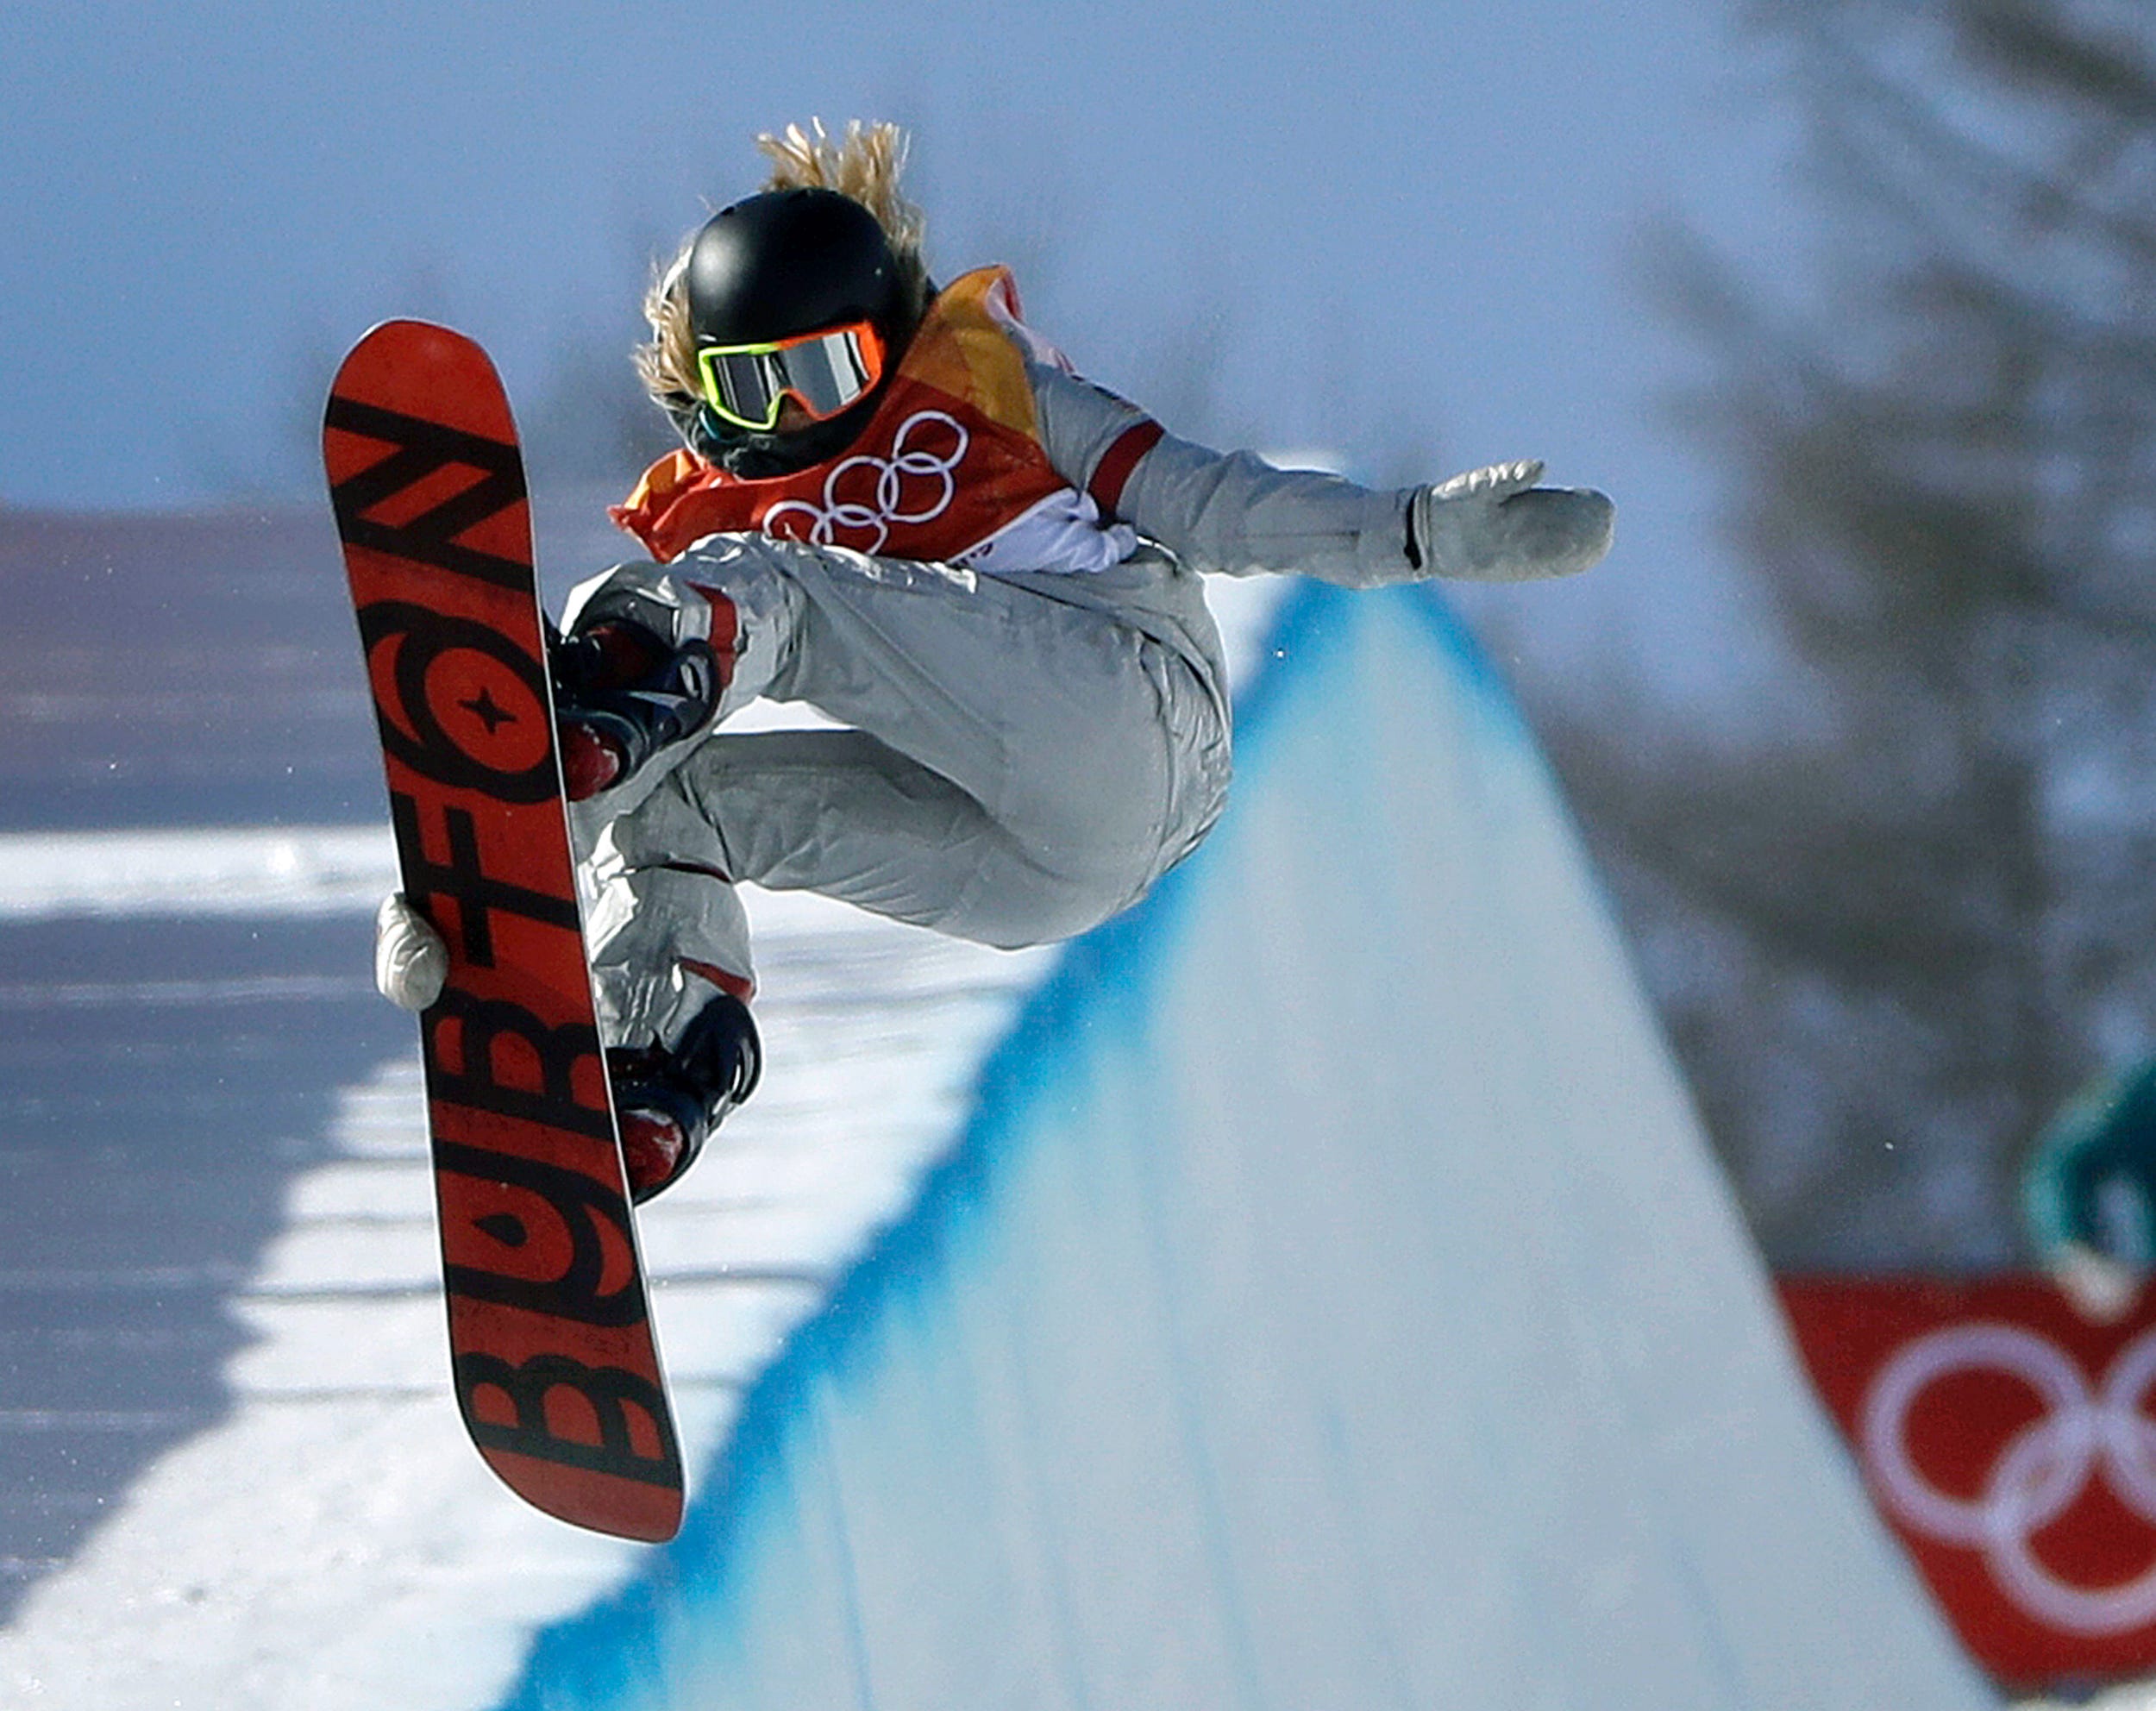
(1331, 1301)
(1322, 1296)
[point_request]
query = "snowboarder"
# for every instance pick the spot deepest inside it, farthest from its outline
(900, 505)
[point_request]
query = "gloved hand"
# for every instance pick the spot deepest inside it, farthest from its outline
(410, 959)
(1495, 525)
(2089, 1193)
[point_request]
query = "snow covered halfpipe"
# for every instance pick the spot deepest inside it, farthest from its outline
(1330, 1303)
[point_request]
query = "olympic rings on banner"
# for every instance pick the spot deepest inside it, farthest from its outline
(870, 525)
(2039, 1474)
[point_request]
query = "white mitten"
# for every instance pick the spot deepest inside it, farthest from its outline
(410, 960)
(1495, 525)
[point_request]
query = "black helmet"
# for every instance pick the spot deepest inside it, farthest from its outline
(778, 266)
(789, 262)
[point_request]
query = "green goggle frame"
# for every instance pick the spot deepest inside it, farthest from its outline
(825, 372)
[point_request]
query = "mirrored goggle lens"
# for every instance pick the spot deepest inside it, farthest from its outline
(825, 372)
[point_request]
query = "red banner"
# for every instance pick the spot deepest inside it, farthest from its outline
(2011, 1444)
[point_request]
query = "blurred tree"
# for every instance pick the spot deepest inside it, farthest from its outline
(1891, 937)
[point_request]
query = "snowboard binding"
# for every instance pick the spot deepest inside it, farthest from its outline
(621, 694)
(668, 1102)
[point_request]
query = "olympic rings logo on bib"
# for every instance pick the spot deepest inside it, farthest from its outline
(2085, 1436)
(865, 496)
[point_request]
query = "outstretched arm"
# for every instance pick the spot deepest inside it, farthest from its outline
(1239, 514)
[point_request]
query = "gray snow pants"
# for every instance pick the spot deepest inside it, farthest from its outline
(1013, 768)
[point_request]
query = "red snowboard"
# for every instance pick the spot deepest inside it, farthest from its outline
(551, 1337)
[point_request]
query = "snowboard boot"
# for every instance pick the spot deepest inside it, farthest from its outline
(668, 1102)
(622, 693)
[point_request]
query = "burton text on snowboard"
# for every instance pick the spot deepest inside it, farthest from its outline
(555, 1364)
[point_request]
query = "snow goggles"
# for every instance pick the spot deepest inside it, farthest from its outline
(824, 372)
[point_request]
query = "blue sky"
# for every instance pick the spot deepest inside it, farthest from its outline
(1406, 230)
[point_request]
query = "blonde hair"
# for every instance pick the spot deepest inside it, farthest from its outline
(865, 164)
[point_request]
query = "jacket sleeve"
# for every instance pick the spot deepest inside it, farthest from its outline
(1235, 512)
